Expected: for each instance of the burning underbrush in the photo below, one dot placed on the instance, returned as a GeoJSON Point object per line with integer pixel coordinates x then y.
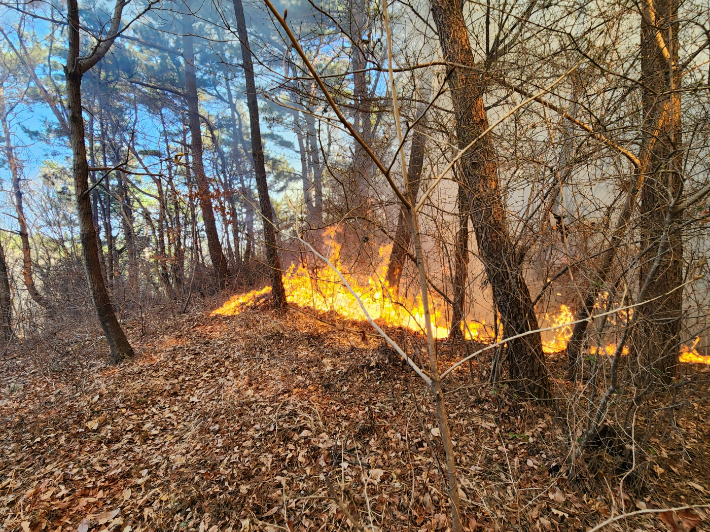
{"type": "Point", "coordinates": [322, 290]}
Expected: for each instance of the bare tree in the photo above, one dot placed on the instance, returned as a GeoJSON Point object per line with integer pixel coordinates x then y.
{"type": "Point", "coordinates": [272, 256]}
{"type": "Point", "coordinates": [501, 259]}
{"type": "Point", "coordinates": [75, 68]}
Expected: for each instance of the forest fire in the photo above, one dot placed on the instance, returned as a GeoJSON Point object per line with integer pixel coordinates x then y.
{"type": "Point", "coordinates": [690, 354]}
{"type": "Point", "coordinates": [323, 291]}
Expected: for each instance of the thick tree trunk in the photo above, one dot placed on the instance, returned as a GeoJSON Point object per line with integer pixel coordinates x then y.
{"type": "Point", "coordinates": [501, 261]}
{"type": "Point", "coordinates": [5, 300]}
{"type": "Point", "coordinates": [272, 257]}
{"type": "Point", "coordinates": [15, 174]}
{"type": "Point", "coordinates": [219, 262]}
{"type": "Point", "coordinates": [657, 338]}
{"type": "Point", "coordinates": [403, 233]}
{"type": "Point", "coordinates": [74, 70]}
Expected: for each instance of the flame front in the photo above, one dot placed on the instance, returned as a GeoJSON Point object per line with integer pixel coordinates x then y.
{"type": "Point", "coordinates": [322, 290]}
{"type": "Point", "coordinates": [691, 355]}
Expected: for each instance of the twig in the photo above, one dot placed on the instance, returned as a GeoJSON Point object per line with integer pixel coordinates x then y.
{"type": "Point", "coordinates": [647, 511]}
{"type": "Point", "coordinates": [389, 340]}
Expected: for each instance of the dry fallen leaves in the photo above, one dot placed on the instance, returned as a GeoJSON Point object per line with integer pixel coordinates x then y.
{"type": "Point", "coordinates": [253, 414]}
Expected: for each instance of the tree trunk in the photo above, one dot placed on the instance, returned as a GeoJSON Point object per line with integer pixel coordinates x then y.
{"type": "Point", "coordinates": [315, 165]}
{"type": "Point", "coordinates": [15, 172]}
{"type": "Point", "coordinates": [129, 235]}
{"type": "Point", "coordinates": [403, 233]}
{"type": "Point", "coordinates": [305, 178]}
{"type": "Point", "coordinates": [657, 338]}
{"type": "Point", "coordinates": [461, 258]}
{"type": "Point", "coordinates": [362, 117]}
{"type": "Point", "coordinates": [502, 262]}
{"type": "Point", "coordinates": [175, 230]}
{"type": "Point", "coordinates": [219, 262]}
{"type": "Point", "coordinates": [112, 254]}
{"type": "Point", "coordinates": [272, 257]}
{"type": "Point", "coordinates": [237, 140]}
{"type": "Point", "coordinates": [5, 300]}
{"type": "Point", "coordinates": [74, 71]}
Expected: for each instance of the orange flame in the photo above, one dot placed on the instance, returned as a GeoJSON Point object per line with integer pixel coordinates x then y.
{"type": "Point", "coordinates": [562, 321]}
{"type": "Point", "coordinates": [691, 355]}
{"type": "Point", "coordinates": [324, 291]}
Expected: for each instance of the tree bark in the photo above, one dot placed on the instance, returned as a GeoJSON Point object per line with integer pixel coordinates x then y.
{"type": "Point", "coordinates": [15, 173]}
{"type": "Point", "coordinates": [403, 233]}
{"type": "Point", "coordinates": [502, 262]}
{"type": "Point", "coordinates": [461, 258]}
{"type": "Point", "coordinates": [5, 300]}
{"type": "Point", "coordinates": [219, 262]}
{"type": "Point", "coordinates": [74, 71]}
{"type": "Point", "coordinates": [272, 257]}
{"type": "Point", "coordinates": [657, 337]}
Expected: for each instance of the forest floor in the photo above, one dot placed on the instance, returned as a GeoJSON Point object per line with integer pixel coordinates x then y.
{"type": "Point", "coordinates": [266, 421]}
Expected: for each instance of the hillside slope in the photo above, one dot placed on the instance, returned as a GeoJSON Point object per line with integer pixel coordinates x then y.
{"type": "Point", "coordinates": [281, 422]}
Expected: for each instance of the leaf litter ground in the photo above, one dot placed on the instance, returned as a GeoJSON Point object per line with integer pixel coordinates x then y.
{"type": "Point", "coordinates": [266, 421]}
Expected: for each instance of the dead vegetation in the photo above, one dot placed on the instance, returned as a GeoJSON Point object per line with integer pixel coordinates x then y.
{"type": "Point", "coordinates": [268, 421]}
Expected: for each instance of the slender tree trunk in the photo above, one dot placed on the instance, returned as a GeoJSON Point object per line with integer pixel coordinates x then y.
{"type": "Point", "coordinates": [272, 257]}
{"type": "Point", "coordinates": [175, 231]}
{"type": "Point", "coordinates": [112, 252]}
{"type": "Point", "coordinates": [162, 252]}
{"type": "Point", "coordinates": [305, 177]}
{"type": "Point", "coordinates": [316, 167]}
{"type": "Point", "coordinates": [219, 262]}
{"type": "Point", "coordinates": [5, 300]}
{"type": "Point", "coordinates": [74, 71]}
{"type": "Point", "coordinates": [657, 338]}
{"type": "Point", "coordinates": [15, 173]}
{"type": "Point", "coordinates": [129, 235]}
{"type": "Point", "coordinates": [362, 117]}
{"type": "Point", "coordinates": [501, 260]}
{"type": "Point", "coordinates": [237, 140]}
{"type": "Point", "coordinates": [403, 233]}
{"type": "Point", "coordinates": [460, 267]}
